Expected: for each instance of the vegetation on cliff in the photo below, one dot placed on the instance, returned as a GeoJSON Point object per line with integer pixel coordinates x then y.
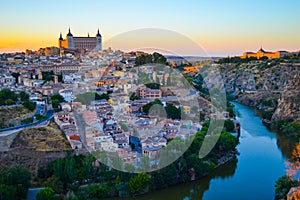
{"type": "Point", "coordinates": [14, 183]}
{"type": "Point", "coordinates": [270, 85]}
{"type": "Point", "coordinates": [84, 177]}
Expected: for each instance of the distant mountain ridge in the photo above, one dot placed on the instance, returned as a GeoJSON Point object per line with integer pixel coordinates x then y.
{"type": "Point", "coordinates": [190, 58]}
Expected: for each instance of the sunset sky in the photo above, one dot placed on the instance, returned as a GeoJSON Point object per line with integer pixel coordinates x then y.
{"type": "Point", "coordinates": [221, 27]}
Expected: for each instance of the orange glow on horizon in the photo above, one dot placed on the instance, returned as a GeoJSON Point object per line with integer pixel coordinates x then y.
{"type": "Point", "coordinates": [216, 45]}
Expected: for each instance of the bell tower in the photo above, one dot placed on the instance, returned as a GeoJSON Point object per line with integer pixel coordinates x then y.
{"type": "Point", "coordinates": [70, 40]}
{"type": "Point", "coordinates": [99, 41]}
{"type": "Point", "coordinates": [60, 41]}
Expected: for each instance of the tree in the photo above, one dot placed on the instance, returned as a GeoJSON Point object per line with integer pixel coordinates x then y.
{"type": "Point", "coordinates": [201, 168]}
{"type": "Point", "coordinates": [48, 76]}
{"type": "Point", "coordinates": [133, 97]}
{"type": "Point", "coordinates": [8, 192]}
{"type": "Point", "coordinates": [19, 178]}
{"type": "Point", "coordinates": [227, 142]}
{"type": "Point", "coordinates": [71, 196]}
{"type": "Point", "coordinates": [56, 100]}
{"type": "Point", "coordinates": [58, 97]}
{"type": "Point", "coordinates": [24, 96]}
{"type": "Point", "coordinates": [173, 112]}
{"type": "Point", "coordinates": [88, 97]}
{"type": "Point", "coordinates": [88, 170]}
{"type": "Point", "coordinates": [283, 186]}
{"type": "Point", "coordinates": [158, 180]}
{"type": "Point", "coordinates": [54, 183]}
{"type": "Point", "coordinates": [159, 58]}
{"type": "Point", "coordinates": [9, 102]}
{"type": "Point", "coordinates": [39, 117]}
{"type": "Point", "coordinates": [55, 104]}
{"type": "Point", "coordinates": [57, 167]}
{"type": "Point", "coordinates": [97, 191]}
{"type": "Point", "coordinates": [170, 174]}
{"type": "Point", "coordinates": [27, 120]}
{"type": "Point", "coordinates": [138, 183]}
{"type": "Point", "coordinates": [6, 94]}
{"type": "Point", "coordinates": [229, 125]}
{"type": "Point", "coordinates": [29, 105]}
{"type": "Point", "coordinates": [101, 96]}
{"type": "Point", "coordinates": [147, 107]}
{"type": "Point", "coordinates": [152, 85]}
{"type": "Point", "coordinates": [70, 172]}
{"type": "Point", "coordinates": [230, 109]}
{"type": "Point", "coordinates": [46, 194]}
{"type": "Point", "coordinates": [150, 58]}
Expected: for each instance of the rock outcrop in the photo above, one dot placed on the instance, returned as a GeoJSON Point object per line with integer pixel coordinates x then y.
{"type": "Point", "coordinates": [289, 101]}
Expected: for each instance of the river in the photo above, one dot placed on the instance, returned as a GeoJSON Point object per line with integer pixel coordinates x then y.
{"type": "Point", "coordinates": [251, 176]}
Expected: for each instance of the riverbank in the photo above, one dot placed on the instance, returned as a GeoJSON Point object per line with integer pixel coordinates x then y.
{"type": "Point", "coordinates": [260, 161]}
{"type": "Point", "coordinates": [272, 86]}
{"type": "Point", "coordinates": [226, 163]}
{"type": "Point", "coordinates": [226, 158]}
{"type": "Point", "coordinates": [109, 182]}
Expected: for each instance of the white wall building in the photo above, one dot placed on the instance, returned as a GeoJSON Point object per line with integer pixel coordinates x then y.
{"type": "Point", "coordinates": [67, 94]}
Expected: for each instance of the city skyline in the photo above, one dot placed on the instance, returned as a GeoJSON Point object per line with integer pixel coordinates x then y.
{"type": "Point", "coordinates": [221, 29]}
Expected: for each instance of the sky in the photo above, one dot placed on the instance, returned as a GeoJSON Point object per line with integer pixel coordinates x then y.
{"type": "Point", "coordinates": [220, 28]}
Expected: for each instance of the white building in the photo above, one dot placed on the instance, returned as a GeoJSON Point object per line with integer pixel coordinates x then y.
{"type": "Point", "coordinates": [67, 94]}
{"type": "Point", "coordinates": [71, 78]}
{"type": "Point", "coordinates": [106, 143]}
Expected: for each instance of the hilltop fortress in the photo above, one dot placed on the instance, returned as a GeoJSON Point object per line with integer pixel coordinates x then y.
{"type": "Point", "coordinates": [262, 53]}
{"type": "Point", "coordinates": [78, 43]}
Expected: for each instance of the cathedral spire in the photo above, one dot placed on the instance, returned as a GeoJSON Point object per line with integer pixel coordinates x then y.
{"type": "Point", "coordinates": [70, 34]}
{"type": "Point", "coordinates": [98, 33]}
{"type": "Point", "coordinates": [60, 36]}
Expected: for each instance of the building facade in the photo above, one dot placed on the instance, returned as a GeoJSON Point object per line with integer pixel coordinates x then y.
{"type": "Point", "coordinates": [65, 68]}
{"type": "Point", "coordinates": [144, 92]}
{"type": "Point", "coordinates": [262, 53]}
{"type": "Point", "coordinates": [80, 43]}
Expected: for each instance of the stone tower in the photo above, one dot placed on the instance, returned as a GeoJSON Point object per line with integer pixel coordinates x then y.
{"type": "Point", "coordinates": [60, 40]}
{"type": "Point", "coordinates": [70, 40]}
{"type": "Point", "coordinates": [99, 41]}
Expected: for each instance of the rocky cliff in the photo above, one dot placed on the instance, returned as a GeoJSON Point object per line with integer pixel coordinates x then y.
{"type": "Point", "coordinates": [289, 101]}
{"type": "Point", "coordinates": [272, 86]}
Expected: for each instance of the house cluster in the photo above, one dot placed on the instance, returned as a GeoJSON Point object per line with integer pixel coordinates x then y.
{"type": "Point", "coordinates": [102, 132]}
{"type": "Point", "coordinates": [67, 123]}
{"type": "Point", "coordinates": [117, 126]}
{"type": "Point", "coordinates": [53, 71]}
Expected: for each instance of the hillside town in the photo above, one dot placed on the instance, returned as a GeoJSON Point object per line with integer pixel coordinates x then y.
{"type": "Point", "coordinates": [129, 113]}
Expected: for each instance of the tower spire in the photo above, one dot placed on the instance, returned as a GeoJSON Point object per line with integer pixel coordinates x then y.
{"type": "Point", "coordinates": [98, 33]}
{"type": "Point", "coordinates": [69, 34]}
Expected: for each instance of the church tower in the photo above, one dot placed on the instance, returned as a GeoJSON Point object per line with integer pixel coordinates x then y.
{"type": "Point", "coordinates": [60, 40]}
{"type": "Point", "coordinates": [70, 40]}
{"type": "Point", "coordinates": [99, 41]}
